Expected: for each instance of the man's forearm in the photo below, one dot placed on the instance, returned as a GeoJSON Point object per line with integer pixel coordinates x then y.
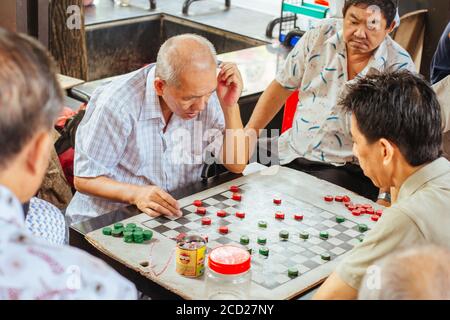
{"type": "Point", "coordinates": [269, 104]}
{"type": "Point", "coordinates": [235, 146]}
{"type": "Point", "coordinates": [106, 188]}
{"type": "Point", "coordinates": [334, 288]}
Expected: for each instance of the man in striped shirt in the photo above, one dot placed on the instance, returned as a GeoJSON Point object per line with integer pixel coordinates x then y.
{"type": "Point", "coordinates": [147, 133]}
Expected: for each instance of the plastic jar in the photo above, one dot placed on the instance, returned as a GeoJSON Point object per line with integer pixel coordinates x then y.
{"type": "Point", "coordinates": [228, 276]}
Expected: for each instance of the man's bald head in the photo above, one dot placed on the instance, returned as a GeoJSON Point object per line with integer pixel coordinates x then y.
{"type": "Point", "coordinates": [416, 274]}
{"type": "Point", "coordinates": [182, 54]}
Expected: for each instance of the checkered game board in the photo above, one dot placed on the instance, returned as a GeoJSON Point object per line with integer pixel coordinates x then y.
{"type": "Point", "coordinates": [272, 275]}
{"type": "Point", "coordinates": [257, 204]}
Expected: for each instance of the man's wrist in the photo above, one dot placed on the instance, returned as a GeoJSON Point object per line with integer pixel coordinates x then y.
{"type": "Point", "coordinates": [385, 196]}
{"type": "Point", "coordinates": [230, 108]}
{"type": "Point", "coordinates": [132, 194]}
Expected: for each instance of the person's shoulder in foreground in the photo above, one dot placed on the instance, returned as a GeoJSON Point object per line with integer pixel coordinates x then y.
{"type": "Point", "coordinates": [30, 267]}
{"type": "Point", "coordinates": [397, 132]}
{"type": "Point", "coordinates": [401, 276]}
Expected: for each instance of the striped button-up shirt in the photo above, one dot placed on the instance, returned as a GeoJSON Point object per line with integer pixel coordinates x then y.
{"type": "Point", "coordinates": [122, 137]}
{"type": "Point", "coordinates": [317, 67]}
{"type": "Point", "coordinates": [31, 268]}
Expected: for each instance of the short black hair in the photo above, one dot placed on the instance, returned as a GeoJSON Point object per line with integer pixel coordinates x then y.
{"type": "Point", "coordinates": [402, 108]}
{"type": "Point", "coordinates": [30, 96]}
{"type": "Point", "coordinates": [387, 7]}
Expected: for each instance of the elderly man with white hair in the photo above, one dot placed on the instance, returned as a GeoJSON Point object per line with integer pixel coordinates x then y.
{"type": "Point", "coordinates": [149, 132]}
{"type": "Point", "coordinates": [419, 273]}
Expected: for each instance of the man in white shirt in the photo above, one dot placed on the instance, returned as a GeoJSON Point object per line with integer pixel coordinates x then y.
{"type": "Point", "coordinates": [31, 267]}
{"type": "Point", "coordinates": [325, 59]}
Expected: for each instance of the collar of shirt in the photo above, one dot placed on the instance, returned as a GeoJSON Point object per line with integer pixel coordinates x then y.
{"type": "Point", "coordinates": [337, 42]}
{"type": "Point", "coordinates": [428, 173]}
{"type": "Point", "coordinates": [11, 210]}
{"type": "Point", "coordinates": [378, 60]}
{"type": "Point", "coordinates": [152, 107]}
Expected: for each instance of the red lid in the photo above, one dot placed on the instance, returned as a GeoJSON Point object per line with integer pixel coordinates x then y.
{"type": "Point", "coordinates": [229, 260]}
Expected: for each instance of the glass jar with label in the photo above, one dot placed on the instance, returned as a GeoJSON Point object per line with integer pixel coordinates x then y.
{"type": "Point", "coordinates": [228, 276]}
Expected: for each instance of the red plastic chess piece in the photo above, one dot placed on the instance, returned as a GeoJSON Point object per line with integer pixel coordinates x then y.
{"type": "Point", "coordinates": [206, 221]}
{"type": "Point", "coordinates": [221, 213]}
{"type": "Point", "coordinates": [236, 197]}
{"type": "Point", "coordinates": [197, 203]}
{"type": "Point", "coordinates": [201, 210]}
{"type": "Point", "coordinates": [277, 201]}
{"type": "Point", "coordinates": [223, 230]}
{"type": "Point", "coordinates": [240, 215]}
{"type": "Point", "coordinates": [279, 215]}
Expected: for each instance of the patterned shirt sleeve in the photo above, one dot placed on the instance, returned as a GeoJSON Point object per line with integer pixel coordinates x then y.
{"type": "Point", "coordinates": [101, 141]}
{"type": "Point", "coordinates": [32, 268]}
{"type": "Point", "coordinates": [46, 221]}
{"type": "Point", "coordinates": [291, 74]}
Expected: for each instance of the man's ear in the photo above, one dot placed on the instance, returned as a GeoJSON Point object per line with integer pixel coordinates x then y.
{"type": "Point", "coordinates": [38, 153]}
{"type": "Point", "coordinates": [387, 149]}
{"type": "Point", "coordinates": [159, 85]}
{"type": "Point", "coordinates": [392, 27]}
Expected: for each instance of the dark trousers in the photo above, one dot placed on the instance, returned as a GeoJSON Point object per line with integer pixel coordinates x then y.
{"type": "Point", "coordinates": [349, 176]}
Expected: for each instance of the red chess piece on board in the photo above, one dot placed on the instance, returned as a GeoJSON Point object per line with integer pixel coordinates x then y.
{"type": "Point", "coordinates": [206, 221]}
{"type": "Point", "coordinates": [201, 210]}
{"type": "Point", "coordinates": [221, 213]}
{"type": "Point", "coordinates": [197, 203]}
{"type": "Point", "coordinates": [223, 230]}
{"type": "Point", "coordinates": [279, 215]}
{"type": "Point", "coordinates": [236, 197]}
{"type": "Point", "coordinates": [277, 201]}
{"type": "Point", "coordinates": [240, 215]}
